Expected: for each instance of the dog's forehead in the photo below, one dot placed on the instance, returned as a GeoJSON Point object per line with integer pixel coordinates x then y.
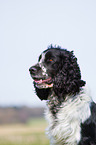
{"type": "Point", "coordinates": [45, 55]}
{"type": "Point", "coordinates": [41, 57]}
{"type": "Point", "coordinates": [49, 53]}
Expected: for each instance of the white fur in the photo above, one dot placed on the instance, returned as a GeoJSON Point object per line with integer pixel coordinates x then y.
{"type": "Point", "coordinates": [65, 128]}
{"type": "Point", "coordinates": [44, 71]}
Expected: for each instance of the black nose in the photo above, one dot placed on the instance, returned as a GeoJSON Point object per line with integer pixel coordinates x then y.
{"type": "Point", "coordinates": [33, 70]}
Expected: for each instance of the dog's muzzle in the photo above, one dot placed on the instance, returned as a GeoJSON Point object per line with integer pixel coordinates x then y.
{"type": "Point", "coordinates": [40, 81]}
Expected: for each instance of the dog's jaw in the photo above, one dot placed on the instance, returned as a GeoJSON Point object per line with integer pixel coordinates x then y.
{"type": "Point", "coordinates": [43, 85]}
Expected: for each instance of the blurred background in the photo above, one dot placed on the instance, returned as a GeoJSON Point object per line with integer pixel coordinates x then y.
{"type": "Point", "coordinates": [27, 28]}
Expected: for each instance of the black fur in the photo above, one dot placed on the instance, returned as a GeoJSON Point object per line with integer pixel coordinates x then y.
{"type": "Point", "coordinates": [88, 129]}
{"type": "Point", "coordinates": [42, 93]}
{"type": "Point", "coordinates": [68, 78]}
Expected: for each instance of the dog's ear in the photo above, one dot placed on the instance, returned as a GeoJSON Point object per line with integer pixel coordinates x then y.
{"type": "Point", "coordinates": [68, 79]}
{"type": "Point", "coordinates": [42, 93]}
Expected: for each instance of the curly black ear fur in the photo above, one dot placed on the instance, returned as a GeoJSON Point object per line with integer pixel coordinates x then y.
{"type": "Point", "coordinates": [68, 79]}
{"type": "Point", "coordinates": [42, 93]}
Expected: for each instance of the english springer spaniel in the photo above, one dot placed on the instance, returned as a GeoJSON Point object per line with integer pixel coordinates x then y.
{"type": "Point", "coordinates": [71, 112]}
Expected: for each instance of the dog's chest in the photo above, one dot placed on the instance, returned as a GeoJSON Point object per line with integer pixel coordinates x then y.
{"type": "Point", "coordinates": [64, 127]}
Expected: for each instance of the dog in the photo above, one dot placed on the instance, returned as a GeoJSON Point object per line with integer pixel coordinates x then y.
{"type": "Point", "coordinates": [71, 112]}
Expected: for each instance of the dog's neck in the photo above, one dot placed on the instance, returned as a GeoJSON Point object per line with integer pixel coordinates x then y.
{"type": "Point", "coordinates": [54, 102]}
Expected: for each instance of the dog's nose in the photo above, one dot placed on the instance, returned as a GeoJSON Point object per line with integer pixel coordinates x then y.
{"type": "Point", "coordinates": [33, 70]}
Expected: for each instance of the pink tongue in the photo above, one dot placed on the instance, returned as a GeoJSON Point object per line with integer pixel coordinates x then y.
{"type": "Point", "coordinates": [42, 81]}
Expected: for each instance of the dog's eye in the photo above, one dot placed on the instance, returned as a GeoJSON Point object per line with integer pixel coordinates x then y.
{"type": "Point", "coordinates": [50, 60]}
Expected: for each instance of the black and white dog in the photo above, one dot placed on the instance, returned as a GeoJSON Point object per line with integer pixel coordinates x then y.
{"type": "Point", "coordinates": [71, 112]}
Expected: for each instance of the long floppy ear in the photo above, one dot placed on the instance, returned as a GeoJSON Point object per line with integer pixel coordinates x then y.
{"type": "Point", "coordinates": [68, 79]}
{"type": "Point", "coordinates": [42, 93]}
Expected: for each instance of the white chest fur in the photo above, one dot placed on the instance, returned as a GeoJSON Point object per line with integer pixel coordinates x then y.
{"type": "Point", "coordinates": [65, 127]}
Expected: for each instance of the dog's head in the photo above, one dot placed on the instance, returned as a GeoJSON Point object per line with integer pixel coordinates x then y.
{"type": "Point", "coordinates": [58, 69]}
{"type": "Point", "coordinates": [46, 68]}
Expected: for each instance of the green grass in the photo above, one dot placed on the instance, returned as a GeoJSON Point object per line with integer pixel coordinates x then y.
{"type": "Point", "coordinates": [32, 133]}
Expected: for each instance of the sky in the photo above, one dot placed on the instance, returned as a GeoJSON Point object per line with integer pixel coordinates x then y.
{"type": "Point", "coordinates": [28, 27]}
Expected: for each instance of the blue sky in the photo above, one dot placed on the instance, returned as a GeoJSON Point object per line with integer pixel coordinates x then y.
{"type": "Point", "coordinates": [27, 27]}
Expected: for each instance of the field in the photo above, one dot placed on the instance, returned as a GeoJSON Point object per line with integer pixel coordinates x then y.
{"type": "Point", "coordinates": [32, 133]}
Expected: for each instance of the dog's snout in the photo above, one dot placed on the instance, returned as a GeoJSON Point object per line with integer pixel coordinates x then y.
{"type": "Point", "coordinates": [34, 69]}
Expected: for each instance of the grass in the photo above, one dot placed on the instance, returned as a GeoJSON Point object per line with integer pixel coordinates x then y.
{"type": "Point", "coordinates": [32, 133]}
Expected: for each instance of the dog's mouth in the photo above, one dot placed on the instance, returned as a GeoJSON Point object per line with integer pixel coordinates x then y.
{"type": "Point", "coordinates": [43, 83]}
{"type": "Point", "coordinates": [40, 81]}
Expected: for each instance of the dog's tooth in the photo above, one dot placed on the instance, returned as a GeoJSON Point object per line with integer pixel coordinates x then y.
{"type": "Point", "coordinates": [41, 81]}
